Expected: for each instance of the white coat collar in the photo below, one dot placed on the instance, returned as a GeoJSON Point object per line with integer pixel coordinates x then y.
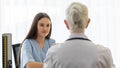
{"type": "Point", "coordinates": [82, 35]}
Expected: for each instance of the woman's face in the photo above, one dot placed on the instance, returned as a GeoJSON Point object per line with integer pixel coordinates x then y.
{"type": "Point", "coordinates": [43, 27]}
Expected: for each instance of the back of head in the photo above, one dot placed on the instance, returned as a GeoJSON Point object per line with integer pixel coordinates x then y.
{"type": "Point", "coordinates": [77, 17]}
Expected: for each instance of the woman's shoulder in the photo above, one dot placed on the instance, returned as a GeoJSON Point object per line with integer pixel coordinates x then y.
{"type": "Point", "coordinates": [26, 44]}
{"type": "Point", "coordinates": [52, 40]}
{"type": "Point", "coordinates": [27, 41]}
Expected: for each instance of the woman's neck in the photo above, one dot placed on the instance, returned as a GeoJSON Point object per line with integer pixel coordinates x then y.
{"type": "Point", "coordinates": [40, 41]}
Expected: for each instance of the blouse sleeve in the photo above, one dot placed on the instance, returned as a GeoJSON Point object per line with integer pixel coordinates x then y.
{"type": "Point", "coordinates": [26, 53]}
{"type": "Point", "coordinates": [52, 42]}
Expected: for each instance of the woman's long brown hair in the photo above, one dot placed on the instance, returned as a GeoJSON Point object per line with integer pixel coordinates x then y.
{"type": "Point", "coordinates": [33, 32]}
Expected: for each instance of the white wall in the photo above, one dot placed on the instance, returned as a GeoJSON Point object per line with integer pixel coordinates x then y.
{"type": "Point", "coordinates": [16, 17]}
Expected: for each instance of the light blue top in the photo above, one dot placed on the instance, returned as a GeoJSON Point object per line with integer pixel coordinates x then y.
{"type": "Point", "coordinates": [31, 51]}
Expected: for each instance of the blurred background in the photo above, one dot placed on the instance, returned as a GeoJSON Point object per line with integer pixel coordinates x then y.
{"type": "Point", "coordinates": [16, 17]}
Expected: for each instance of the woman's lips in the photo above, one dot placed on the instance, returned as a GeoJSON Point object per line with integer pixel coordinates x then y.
{"type": "Point", "coordinates": [43, 31]}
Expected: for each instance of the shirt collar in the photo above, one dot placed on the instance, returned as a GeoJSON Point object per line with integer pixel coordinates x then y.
{"type": "Point", "coordinates": [81, 35]}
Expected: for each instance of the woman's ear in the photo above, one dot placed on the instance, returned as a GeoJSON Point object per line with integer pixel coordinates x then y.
{"type": "Point", "coordinates": [88, 23]}
{"type": "Point", "coordinates": [66, 23]}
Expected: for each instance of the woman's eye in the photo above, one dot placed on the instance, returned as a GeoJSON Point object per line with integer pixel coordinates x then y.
{"type": "Point", "coordinates": [41, 25]}
{"type": "Point", "coordinates": [48, 25]}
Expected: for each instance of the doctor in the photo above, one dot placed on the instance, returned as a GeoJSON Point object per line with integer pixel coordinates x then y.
{"type": "Point", "coordinates": [78, 51]}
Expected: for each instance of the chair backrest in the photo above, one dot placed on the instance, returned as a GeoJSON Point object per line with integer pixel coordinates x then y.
{"type": "Point", "coordinates": [15, 51]}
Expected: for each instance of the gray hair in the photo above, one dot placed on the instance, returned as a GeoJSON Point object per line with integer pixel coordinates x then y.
{"type": "Point", "coordinates": [77, 16]}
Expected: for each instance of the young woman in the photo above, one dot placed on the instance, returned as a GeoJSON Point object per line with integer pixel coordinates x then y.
{"type": "Point", "coordinates": [37, 42]}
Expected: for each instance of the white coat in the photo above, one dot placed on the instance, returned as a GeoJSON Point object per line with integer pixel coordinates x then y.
{"type": "Point", "coordinates": [78, 53]}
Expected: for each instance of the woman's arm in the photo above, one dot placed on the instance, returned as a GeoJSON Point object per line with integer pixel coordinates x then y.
{"type": "Point", "coordinates": [34, 65]}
